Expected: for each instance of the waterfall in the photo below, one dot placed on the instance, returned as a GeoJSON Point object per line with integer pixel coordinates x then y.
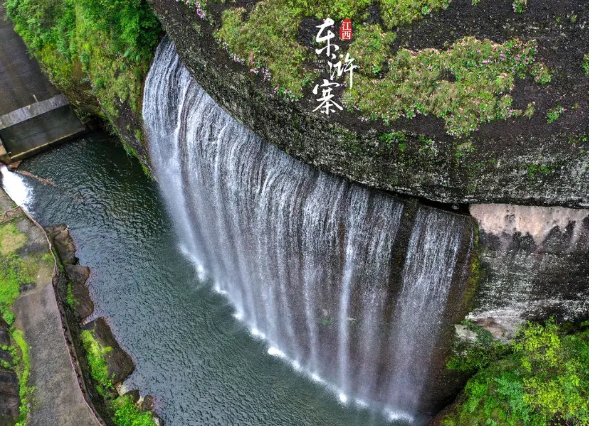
{"type": "Point", "coordinates": [305, 258]}
{"type": "Point", "coordinates": [14, 186]}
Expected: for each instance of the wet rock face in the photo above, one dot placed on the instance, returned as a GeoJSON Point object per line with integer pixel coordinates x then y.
{"type": "Point", "coordinates": [63, 243]}
{"type": "Point", "coordinates": [515, 161]}
{"type": "Point", "coordinates": [78, 276]}
{"type": "Point", "coordinates": [535, 266]}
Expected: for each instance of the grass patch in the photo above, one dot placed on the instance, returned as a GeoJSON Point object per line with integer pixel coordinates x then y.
{"type": "Point", "coordinates": [95, 354]}
{"type": "Point", "coordinates": [10, 239]}
{"type": "Point", "coordinates": [125, 412]}
{"type": "Point", "coordinates": [370, 48]}
{"type": "Point", "coordinates": [22, 361]}
{"type": "Point", "coordinates": [267, 39]}
{"type": "Point", "coordinates": [15, 270]}
{"type": "Point", "coordinates": [540, 379]}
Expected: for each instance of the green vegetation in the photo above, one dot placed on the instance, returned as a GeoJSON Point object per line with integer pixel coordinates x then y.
{"type": "Point", "coordinates": [70, 299]}
{"type": "Point", "coordinates": [540, 379]}
{"type": "Point", "coordinates": [90, 48]}
{"type": "Point", "coordinates": [267, 39]}
{"type": "Point", "coordinates": [370, 48]}
{"type": "Point", "coordinates": [98, 366]}
{"type": "Point", "coordinates": [535, 169]}
{"type": "Point", "coordinates": [125, 412]}
{"type": "Point", "coordinates": [542, 74]}
{"type": "Point", "coordinates": [586, 64]}
{"type": "Point", "coordinates": [22, 361]}
{"type": "Point", "coordinates": [519, 6]}
{"type": "Point", "coordinates": [554, 113]}
{"type": "Point", "coordinates": [466, 85]}
{"type": "Point", "coordinates": [16, 271]}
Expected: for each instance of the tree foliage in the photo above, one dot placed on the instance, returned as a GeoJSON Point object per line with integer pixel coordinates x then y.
{"type": "Point", "coordinates": [541, 379]}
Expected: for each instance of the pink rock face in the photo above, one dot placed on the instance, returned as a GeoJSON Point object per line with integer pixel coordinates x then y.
{"type": "Point", "coordinates": [505, 220]}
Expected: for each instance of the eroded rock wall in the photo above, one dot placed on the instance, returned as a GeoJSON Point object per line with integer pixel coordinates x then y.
{"type": "Point", "coordinates": [534, 264]}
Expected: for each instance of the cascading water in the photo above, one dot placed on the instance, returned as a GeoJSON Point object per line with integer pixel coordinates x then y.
{"type": "Point", "coordinates": [14, 186]}
{"type": "Point", "coordinates": [306, 258]}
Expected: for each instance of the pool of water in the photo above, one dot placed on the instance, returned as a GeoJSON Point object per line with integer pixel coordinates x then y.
{"type": "Point", "coordinates": [199, 362]}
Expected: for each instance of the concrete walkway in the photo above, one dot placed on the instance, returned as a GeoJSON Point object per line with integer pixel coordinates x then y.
{"type": "Point", "coordinates": [57, 398]}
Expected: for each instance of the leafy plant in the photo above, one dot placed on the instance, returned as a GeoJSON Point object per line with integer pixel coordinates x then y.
{"type": "Point", "coordinates": [542, 74]}
{"type": "Point", "coordinates": [519, 6]}
{"type": "Point", "coordinates": [540, 379]}
{"type": "Point", "coordinates": [554, 113]}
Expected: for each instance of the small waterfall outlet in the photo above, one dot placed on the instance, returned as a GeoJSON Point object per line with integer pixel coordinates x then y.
{"type": "Point", "coordinates": [348, 284]}
{"type": "Point", "coordinates": [14, 186]}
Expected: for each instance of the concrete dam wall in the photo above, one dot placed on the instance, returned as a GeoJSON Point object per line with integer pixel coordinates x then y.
{"type": "Point", "coordinates": [33, 114]}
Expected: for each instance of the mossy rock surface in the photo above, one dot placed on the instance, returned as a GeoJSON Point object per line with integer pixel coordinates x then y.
{"type": "Point", "coordinates": [518, 156]}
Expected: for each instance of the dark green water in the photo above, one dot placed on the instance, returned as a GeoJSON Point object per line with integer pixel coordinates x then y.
{"type": "Point", "coordinates": [200, 363]}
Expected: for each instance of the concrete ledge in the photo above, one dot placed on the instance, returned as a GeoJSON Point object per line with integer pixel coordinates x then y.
{"type": "Point", "coordinates": [33, 110]}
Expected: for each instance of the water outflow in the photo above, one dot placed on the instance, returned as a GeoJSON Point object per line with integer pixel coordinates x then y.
{"type": "Point", "coordinates": [307, 259]}
{"type": "Point", "coordinates": [14, 186]}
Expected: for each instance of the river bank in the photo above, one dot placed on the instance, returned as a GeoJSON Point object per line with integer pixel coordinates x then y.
{"type": "Point", "coordinates": [57, 398]}
{"type": "Point", "coordinates": [61, 381]}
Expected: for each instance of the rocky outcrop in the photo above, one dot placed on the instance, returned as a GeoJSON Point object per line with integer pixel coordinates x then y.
{"type": "Point", "coordinates": [120, 364]}
{"type": "Point", "coordinates": [515, 161]}
{"type": "Point", "coordinates": [534, 266]}
{"type": "Point", "coordinates": [76, 305]}
{"type": "Point", "coordinates": [78, 275]}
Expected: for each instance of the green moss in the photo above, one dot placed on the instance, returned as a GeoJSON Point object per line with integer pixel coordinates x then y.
{"type": "Point", "coordinates": [70, 299]}
{"type": "Point", "coordinates": [10, 239]}
{"type": "Point", "coordinates": [535, 169]}
{"type": "Point", "coordinates": [267, 39]}
{"type": "Point", "coordinates": [371, 48]}
{"type": "Point", "coordinates": [22, 361]}
{"type": "Point", "coordinates": [398, 12]}
{"type": "Point", "coordinates": [124, 411]}
{"type": "Point", "coordinates": [542, 74]}
{"type": "Point", "coordinates": [394, 138]}
{"type": "Point", "coordinates": [127, 413]}
{"type": "Point", "coordinates": [95, 355]}
{"type": "Point", "coordinates": [519, 6]}
{"type": "Point", "coordinates": [540, 379]}
{"type": "Point", "coordinates": [466, 85]}
{"type": "Point", "coordinates": [15, 270]}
